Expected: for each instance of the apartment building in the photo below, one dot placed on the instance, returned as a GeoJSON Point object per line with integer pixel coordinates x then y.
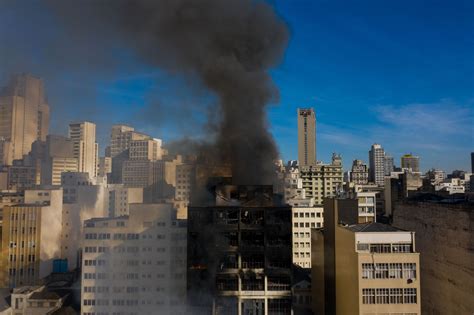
{"type": "Point", "coordinates": [134, 264]}
{"type": "Point", "coordinates": [86, 149]}
{"type": "Point", "coordinates": [239, 253]}
{"type": "Point", "coordinates": [368, 268]}
{"type": "Point", "coordinates": [303, 220]}
{"type": "Point", "coordinates": [30, 237]}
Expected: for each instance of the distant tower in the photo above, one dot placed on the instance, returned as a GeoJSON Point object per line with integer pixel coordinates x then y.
{"type": "Point", "coordinates": [86, 150]}
{"type": "Point", "coordinates": [377, 164]}
{"type": "Point", "coordinates": [409, 161]}
{"type": "Point", "coordinates": [472, 162]}
{"type": "Point", "coordinates": [24, 114]}
{"type": "Point", "coordinates": [306, 137]}
{"type": "Point", "coordinates": [389, 165]}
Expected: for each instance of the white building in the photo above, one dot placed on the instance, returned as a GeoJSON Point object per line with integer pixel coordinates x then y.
{"type": "Point", "coordinates": [86, 150]}
{"type": "Point", "coordinates": [452, 186]}
{"type": "Point", "coordinates": [134, 264]}
{"type": "Point", "coordinates": [303, 220]}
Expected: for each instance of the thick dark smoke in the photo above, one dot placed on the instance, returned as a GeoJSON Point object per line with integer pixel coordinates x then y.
{"type": "Point", "coordinates": [229, 45]}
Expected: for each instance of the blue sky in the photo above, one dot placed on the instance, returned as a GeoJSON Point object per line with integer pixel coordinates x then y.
{"type": "Point", "coordinates": [399, 73]}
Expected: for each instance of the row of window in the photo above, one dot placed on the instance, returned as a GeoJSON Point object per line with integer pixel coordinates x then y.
{"type": "Point", "coordinates": [389, 296]}
{"type": "Point", "coordinates": [306, 214]}
{"type": "Point", "coordinates": [303, 255]}
{"type": "Point", "coordinates": [302, 235]}
{"type": "Point", "coordinates": [301, 244]}
{"type": "Point", "coordinates": [94, 262]}
{"type": "Point", "coordinates": [385, 248]}
{"type": "Point", "coordinates": [389, 271]}
{"type": "Point", "coordinates": [121, 249]}
{"type": "Point", "coordinates": [307, 224]}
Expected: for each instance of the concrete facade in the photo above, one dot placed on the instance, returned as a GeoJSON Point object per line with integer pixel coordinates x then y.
{"type": "Point", "coordinates": [444, 236]}
{"type": "Point", "coordinates": [306, 136]}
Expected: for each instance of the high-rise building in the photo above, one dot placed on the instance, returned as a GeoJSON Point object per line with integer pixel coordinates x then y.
{"type": "Point", "coordinates": [410, 162]}
{"type": "Point", "coordinates": [239, 253]}
{"type": "Point", "coordinates": [57, 157]}
{"type": "Point", "coordinates": [120, 198]}
{"type": "Point", "coordinates": [24, 115]}
{"type": "Point", "coordinates": [306, 137]}
{"type": "Point", "coordinates": [33, 240]}
{"type": "Point", "coordinates": [359, 173]}
{"type": "Point", "coordinates": [135, 264]}
{"type": "Point", "coordinates": [120, 143]}
{"type": "Point", "coordinates": [304, 219]}
{"type": "Point", "coordinates": [86, 149]}
{"type": "Point", "coordinates": [322, 180]}
{"type": "Point", "coordinates": [388, 165]}
{"type": "Point", "coordinates": [368, 268]}
{"type": "Point", "coordinates": [377, 164]}
{"type": "Point", "coordinates": [105, 166]}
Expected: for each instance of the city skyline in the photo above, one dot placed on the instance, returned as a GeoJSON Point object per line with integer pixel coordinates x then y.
{"type": "Point", "coordinates": [373, 95]}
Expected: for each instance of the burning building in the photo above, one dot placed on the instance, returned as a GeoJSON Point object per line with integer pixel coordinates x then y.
{"type": "Point", "coordinates": [239, 253]}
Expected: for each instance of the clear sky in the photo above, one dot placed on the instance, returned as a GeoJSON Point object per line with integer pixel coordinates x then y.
{"type": "Point", "coordinates": [399, 73]}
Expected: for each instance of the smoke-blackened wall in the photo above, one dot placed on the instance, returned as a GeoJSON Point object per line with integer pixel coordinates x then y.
{"type": "Point", "coordinates": [228, 46]}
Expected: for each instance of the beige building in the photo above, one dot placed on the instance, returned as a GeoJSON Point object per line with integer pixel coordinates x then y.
{"type": "Point", "coordinates": [105, 166]}
{"type": "Point", "coordinates": [306, 136]}
{"type": "Point", "coordinates": [35, 300]}
{"type": "Point", "coordinates": [410, 162]}
{"type": "Point", "coordinates": [134, 264]}
{"type": "Point", "coordinates": [149, 150]}
{"type": "Point", "coordinates": [24, 116]}
{"type": "Point", "coordinates": [86, 149]}
{"type": "Point", "coordinates": [120, 198]}
{"type": "Point", "coordinates": [322, 180]}
{"type": "Point", "coordinates": [364, 269]}
{"type": "Point", "coordinates": [30, 238]}
{"type": "Point", "coordinates": [185, 176]}
{"type": "Point", "coordinates": [359, 173]}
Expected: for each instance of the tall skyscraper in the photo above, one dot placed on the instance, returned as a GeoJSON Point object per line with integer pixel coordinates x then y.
{"type": "Point", "coordinates": [86, 149]}
{"type": "Point", "coordinates": [409, 161]}
{"type": "Point", "coordinates": [306, 137]}
{"type": "Point", "coordinates": [24, 114]}
{"type": "Point", "coordinates": [377, 164]}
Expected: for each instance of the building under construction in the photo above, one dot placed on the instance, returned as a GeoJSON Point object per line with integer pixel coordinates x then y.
{"type": "Point", "coordinates": [239, 253]}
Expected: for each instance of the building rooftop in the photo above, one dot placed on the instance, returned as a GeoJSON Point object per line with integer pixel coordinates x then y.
{"type": "Point", "coordinates": [373, 227]}
{"type": "Point", "coordinates": [45, 295]}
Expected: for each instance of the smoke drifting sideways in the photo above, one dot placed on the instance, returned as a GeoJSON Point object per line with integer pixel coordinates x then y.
{"type": "Point", "coordinates": [229, 46]}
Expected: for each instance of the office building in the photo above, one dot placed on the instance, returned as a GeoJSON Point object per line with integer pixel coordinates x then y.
{"type": "Point", "coordinates": [105, 166]}
{"type": "Point", "coordinates": [377, 164]}
{"type": "Point", "coordinates": [86, 149]}
{"type": "Point", "coordinates": [135, 264]}
{"type": "Point", "coordinates": [120, 142]}
{"type": "Point", "coordinates": [24, 116]}
{"type": "Point", "coordinates": [56, 157]}
{"type": "Point", "coordinates": [33, 238]}
{"type": "Point", "coordinates": [388, 165]}
{"type": "Point", "coordinates": [149, 150]}
{"type": "Point", "coordinates": [322, 180]}
{"type": "Point", "coordinates": [239, 253]}
{"type": "Point", "coordinates": [306, 137]}
{"type": "Point", "coordinates": [185, 181]}
{"type": "Point", "coordinates": [368, 268]}
{"type": "Point", "coordinates": [359, 173]}
{"type": "Point", "coordinates": [303, 220]}
{"type": "Point", "coordinates": [83, 198]}
{"type": "Point", "coordinates": [120, 198]}
{"type": "Point", "coordinates": [443, 233]}
{"type": "Point", "coordinates": [410, 162]}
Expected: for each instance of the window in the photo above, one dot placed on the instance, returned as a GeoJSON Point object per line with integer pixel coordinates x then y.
{"type": "Point", "coordinates": [368, 296]}
{"type": "Point", "coordinates": [396, 296]}
{"type": "Point", "coordinates": [395, 271]}
{"type": "Point", "coordinates": [409, 271]}
{"type": "Point", "coordinates": [409, 296]}
{"type": "Point", "coordinates": [382, 296]}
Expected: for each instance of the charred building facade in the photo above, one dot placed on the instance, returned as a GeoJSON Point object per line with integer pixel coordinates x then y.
{"type": "Point", "coordinates": [239, 253]}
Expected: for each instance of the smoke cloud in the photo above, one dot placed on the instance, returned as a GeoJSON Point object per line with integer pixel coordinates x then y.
{"type": "Point", "coordinates": [228, 45]}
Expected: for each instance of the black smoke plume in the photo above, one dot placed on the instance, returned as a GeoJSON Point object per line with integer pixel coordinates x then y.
{"type": "Point", "coordinates": [228, 45]}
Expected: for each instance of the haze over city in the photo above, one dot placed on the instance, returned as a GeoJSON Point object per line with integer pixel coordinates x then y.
{"type": "Point", "coordinates": [398, 74]}
{"type": "Point", "coordinates": [236, 157]}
